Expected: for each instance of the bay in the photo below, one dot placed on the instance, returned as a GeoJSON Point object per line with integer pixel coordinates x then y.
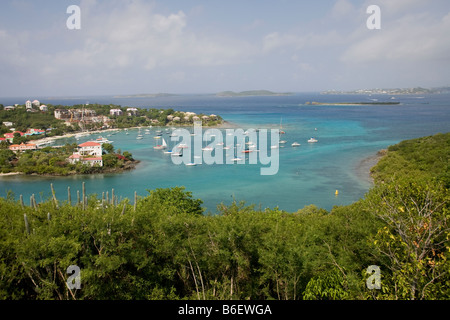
{"type": "Point", "coordinates": [309, 174]}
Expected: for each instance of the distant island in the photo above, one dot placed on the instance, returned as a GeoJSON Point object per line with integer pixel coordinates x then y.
{"type": "Point", "coordinates": [350, 103]}
{"type": "Point", "coordinates": [145, 95]}
{"type": "Point", "coordinates": [393, 91]}
{"type": "Point", "coordinates": [252, 93]}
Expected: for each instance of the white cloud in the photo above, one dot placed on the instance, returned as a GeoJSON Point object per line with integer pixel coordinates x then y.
{"type": "Point", "coordinates": [413, 38]}
{"type": "Point", "coordinates": [111, 42]}
{"type": "Point", "coordinates": [342, 9]}
{"type": "Point", "coordinates": [275, 40]}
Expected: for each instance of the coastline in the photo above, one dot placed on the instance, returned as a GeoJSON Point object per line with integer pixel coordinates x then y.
{"type": "Point", "coordinates": [10, 174]}
{"type": "Point", "coordinates": [47, 140]}
{"type": "Point", "coordinates": [364, 166]}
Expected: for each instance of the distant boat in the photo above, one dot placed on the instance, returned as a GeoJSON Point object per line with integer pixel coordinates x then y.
{"type": "Point", "coordinates": [207, 149]}
{"type": "Point", "coordinates": [191, 164]}
{"type": "Point", "coordinates": [236, 158]}
{"type": "Point", "coordinates": [281, 128]}
{"type": "Point", "coordinates": [139, 136]}
{"type": "Point", "coordinates": [177, 154]}
{"type": "Point", "coordinates": [312, 140]}
{"type": "Point", "coordinates": [102, 140]}
{"type": "Point", "coordinates": [283, 141]}
{"type": "Point", "coordinates": [296, 144]}
{"type": "Point", "coordinates": [162, 146]}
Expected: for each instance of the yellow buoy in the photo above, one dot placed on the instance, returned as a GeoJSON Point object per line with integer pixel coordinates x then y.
{"type": "Point", "coordinates": [337, 192]}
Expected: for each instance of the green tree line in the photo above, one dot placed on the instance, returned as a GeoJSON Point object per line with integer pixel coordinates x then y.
{"type": "Point", "coordinates": [164, 246]}
{"type": "Point", "coordinates": [54, 161]}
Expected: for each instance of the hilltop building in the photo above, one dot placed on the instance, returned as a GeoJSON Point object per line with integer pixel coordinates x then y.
{"type": "Point", "coordinates": [22, 147]}
{"type": "Point", "coordinates": [88, 153]}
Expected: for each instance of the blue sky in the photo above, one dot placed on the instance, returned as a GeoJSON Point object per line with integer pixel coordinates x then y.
{"type": "Point", "coordinates": [140, 46]}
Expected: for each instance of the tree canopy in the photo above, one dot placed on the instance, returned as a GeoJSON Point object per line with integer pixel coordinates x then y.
{"type": "Point", "coordinates": [164, 246]}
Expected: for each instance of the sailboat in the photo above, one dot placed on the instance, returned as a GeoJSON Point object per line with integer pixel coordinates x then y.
{"type": "Point", "coordinates": [139, 136]}
{"type": "Point", "coordinates": [162, 146]}
{"type": "Point", "coordinates": [281, 127]}
{"type": "Point", "coordinates": [236, 158]}
{"type": "Point", "coordinates": [177, 154]}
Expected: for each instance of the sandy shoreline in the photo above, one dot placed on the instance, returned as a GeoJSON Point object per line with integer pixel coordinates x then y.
{"type": "Point", "coordinates": [10, 174]}
{"type": "Point", "coordinates": [49, 140]}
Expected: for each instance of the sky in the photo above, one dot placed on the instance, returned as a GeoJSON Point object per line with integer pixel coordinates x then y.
{"type": "Point", "coordinates": [208, 46]}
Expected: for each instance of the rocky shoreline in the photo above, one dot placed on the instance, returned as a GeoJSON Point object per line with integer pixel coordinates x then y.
{"type": "Point", "coordinates": [365, 165]}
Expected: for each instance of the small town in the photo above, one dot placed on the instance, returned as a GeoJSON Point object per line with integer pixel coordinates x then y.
{"type": "Point", "coordinates": [29, 128]}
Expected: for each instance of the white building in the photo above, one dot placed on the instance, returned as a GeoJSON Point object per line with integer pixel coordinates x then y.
{"type": "Point", "coordinates": [36, 103]}
{"type": "Point", "coordinates": [28, 105]}
{"type": "Point", "coordinates": [86, 160]}
{"type": "Point", "coordinates": [132, 111]}
{"type": "Point", "coordinates": [43, 108]}
{"type": "Point", "coordinates": [115, 112]}
{"type": "Point", "coordinates": [90, 148]}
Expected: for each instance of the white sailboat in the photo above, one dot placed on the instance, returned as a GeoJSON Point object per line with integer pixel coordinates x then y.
{"type": "Point", "coordinates": [139, 136]}
{"type": "Point", "coordinates": [161, 146]}
{"type": "Point", "coordinates": [281, 127]}
{"type": "Point", "coordinates": [177, 154]}
{"type": "Point", "coordinates": [236, 158]}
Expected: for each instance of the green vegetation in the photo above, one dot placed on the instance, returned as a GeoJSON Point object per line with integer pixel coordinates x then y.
{"type": "Point", "coordinates": [163, 246]}
{"type": "Point", "coordinates": [24, 120]}
{"type": "Point", "coordinates": [53, 161]}
{"type": "Point", "coordinates": [426, 157]}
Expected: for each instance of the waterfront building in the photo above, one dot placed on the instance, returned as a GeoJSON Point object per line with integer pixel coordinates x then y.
{"type": "Point", "coordinates": [116, 112]}
{"type": "Point", "coordinates": [90, 148]}
{"type": "Point", "coordinates": [22, 147]}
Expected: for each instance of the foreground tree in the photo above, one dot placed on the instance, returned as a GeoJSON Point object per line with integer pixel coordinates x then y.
{"type": "Point", "coordinates": [414, 243]}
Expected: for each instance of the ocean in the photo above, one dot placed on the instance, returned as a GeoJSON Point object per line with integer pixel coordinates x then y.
{"type": "Point", "coordinates": [348, 135]}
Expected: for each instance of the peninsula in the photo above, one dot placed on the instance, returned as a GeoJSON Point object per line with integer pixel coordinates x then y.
{"type": "Point", "coordinates": [393, 91]}
{"type": "Point", "coordinates": [26, 130]}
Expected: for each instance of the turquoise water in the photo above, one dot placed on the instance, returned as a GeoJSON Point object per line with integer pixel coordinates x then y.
{"type": "Point", "coordinates": [309, 174]}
